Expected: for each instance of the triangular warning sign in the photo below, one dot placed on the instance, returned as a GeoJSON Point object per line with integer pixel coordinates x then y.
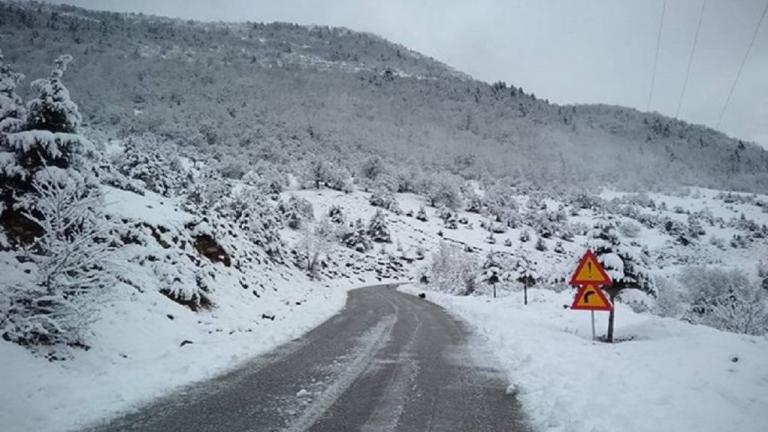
{"type": "Point", "coordinates": [590, 271]}
{"type": "Point", "coordinates": [590, 297]}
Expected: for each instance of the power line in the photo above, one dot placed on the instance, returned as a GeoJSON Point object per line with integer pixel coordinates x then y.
{"type": "Point", "coordinates": [656, 57]}
{"type": "Point", "coordinates": [741, 66]}
{"type": "Point", "coordinates": [690, 58]}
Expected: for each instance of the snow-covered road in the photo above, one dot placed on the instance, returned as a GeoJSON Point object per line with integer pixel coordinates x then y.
{"type": "Point", "coordinates": [389, 361]}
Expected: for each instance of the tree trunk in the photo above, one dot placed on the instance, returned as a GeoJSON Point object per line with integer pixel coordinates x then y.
{"type": "Point", "coordinates": [609, 336]}
{"type": "Point", "coordinates": [494, 290]}
{"type": "Point", "coordinates": [525, 293]}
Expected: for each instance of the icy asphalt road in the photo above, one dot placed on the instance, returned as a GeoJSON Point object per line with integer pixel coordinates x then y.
{"type": "Point", "coordinates": [388, 362]}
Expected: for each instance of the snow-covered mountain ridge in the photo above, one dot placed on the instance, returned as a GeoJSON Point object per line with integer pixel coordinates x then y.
{"type": "Point", "coordinates": [239, 91]}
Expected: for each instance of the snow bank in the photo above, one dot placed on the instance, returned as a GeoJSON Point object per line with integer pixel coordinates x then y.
{"type": "Point", "coordinates": [132, 364]}
{"type": "Point", "coordinates": [671, 376]}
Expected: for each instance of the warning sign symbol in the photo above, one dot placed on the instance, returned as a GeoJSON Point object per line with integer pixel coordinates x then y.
{"type": "Point", "coordinates": [590, 271]}
{"type": "Point", "coordinates": [590, 297]}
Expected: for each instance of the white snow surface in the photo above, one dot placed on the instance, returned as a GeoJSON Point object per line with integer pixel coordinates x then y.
{"type": "Point", "coordinates": [671, 376]}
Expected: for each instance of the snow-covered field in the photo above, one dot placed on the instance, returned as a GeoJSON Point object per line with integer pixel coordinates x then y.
{"type": "Point", "coordinates": [671, 376]}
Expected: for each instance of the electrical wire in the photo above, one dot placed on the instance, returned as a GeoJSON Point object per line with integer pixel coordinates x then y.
{"type": "Point", "coordinates": [656, 57]}
{"type": "Point", "coordinates": [690, 58]}
{"type": "Point", "coordinates": [741, 66]}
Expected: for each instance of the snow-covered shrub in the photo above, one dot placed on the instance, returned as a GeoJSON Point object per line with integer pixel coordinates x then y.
{"type": "Point", "coordinates": [314, 242]}
{"type": "Point", "coordinates": [372, 168]}
{"type": "Point", "coordinates": [267, 177]}
{"type": "Point", "coordinates": [670, 298]}
{"type": "Point", "coordinates": [629, 229]}
{"type": "Point", "coordinates": [540, 245]}
{"type": "Point", "coordinates": [385, 199]}
{"type": "Point", "coordinates": [336, 215]}
{"type": "Point", "coordinates": [256, 216]}
{"type": "Point", "coordinates": [356, 238]}
{"type": "Point", "coordinates": [70, 260]}
{"type": "Point", "coordinates": [296, 211]}
{"type": "Point", "coordinates": [717, 242]}
{"type": "Point", "coordinates": [739, 241]}
{"type": "Point", "coordinates": [726, 300]}
{"type": "Point", "coordinates": [443, 190]}
{"type": "Point", "coordinates": [449, 218]}
{"type": "Point", "coordinates": [378, 228]}
{"type": "Point", "coordinates": [474, 202]}
{"type": "Point", "coordinates": [178, 283]}
{"type": "Point", "coordinates": [762, 273]}
{"type": "Point", "coordinates": [207, 193]}
{"type": "Point", "coordinates": [12, 111]}
{"type": "Point", "coordinates": [422, 214]}
{"type": "Point", "coordinates": [453, 271]}
{"type": "Point", "coordinates": [149, 159]}
{"type": "Point", "coordinates": [525, 236]}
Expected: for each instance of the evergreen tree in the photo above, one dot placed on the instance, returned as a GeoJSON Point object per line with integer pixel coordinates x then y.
{"type": "Point", "coordinates": [378, 230]}
{"type": "Point", "coordinates": [625, 264]}
{"type": "Point", "coordinates": [12, 112]}
{"type": "Point", "coordinates": [357, 238]}
{"type": "Point", "coordinates": [491, 271]}
{"type": "Point", "coordinates": [422, 214]}
{"type": "Point", "coordinates": [336, 215]}
{"type": "Point", "coordinates": [51, 205]}
{"type": "Point", "coordinates": [523, 271]}
{"type": "Point", "coordinates": [53, 110]}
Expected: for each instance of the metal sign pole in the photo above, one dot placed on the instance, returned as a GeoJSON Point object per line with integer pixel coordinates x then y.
{"type": "Point", "coordinates": [593, 325]}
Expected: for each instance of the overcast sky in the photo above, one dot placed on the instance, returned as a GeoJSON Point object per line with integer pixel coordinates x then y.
{"type": "Point", "coordinates": [568, 51]}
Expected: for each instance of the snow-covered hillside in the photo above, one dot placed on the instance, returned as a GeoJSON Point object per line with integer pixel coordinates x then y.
{"type": "Point", "coordinates": [287, 94]}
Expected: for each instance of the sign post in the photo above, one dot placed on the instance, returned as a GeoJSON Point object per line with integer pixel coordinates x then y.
{"type": "Point", "coordinates": [589, 277]}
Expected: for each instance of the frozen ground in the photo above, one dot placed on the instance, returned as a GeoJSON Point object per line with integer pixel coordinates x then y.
{"type": "Point", "coordinates": [671, 376]}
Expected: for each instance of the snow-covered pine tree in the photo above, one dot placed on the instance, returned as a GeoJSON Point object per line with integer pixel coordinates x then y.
{"type": "Point", "coordinates": [51, 206]}
{"type": "Point", "coordinates": [47, 138]}
{"type": "Point", "coordinates": [296, 211]}
{"type": "Point", "coordinates": [385, 199]}
{"type": "Point", "coordinates": [53, 109]}
{"type": "Point", "coordinates": [523, 270]}
{"type": "Point", "coordinates": [378, 229]}
{"type": "Point", "coordinates": [491, 271]}
{"type": "Point", "coordinates": [627, 265]}
{"type": "Point", "coordinates": [318, 172]}
{"type": "Point", "coordinates": [336, 215]}
{"type": "Point", "coordinates": [257, 217]}
{"type": "Point", "coordinates": [12, 111]}
{"type": "Point", "coordinates": [357, 237]}
{"type": "Point", "coordinates": [422, 214]}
